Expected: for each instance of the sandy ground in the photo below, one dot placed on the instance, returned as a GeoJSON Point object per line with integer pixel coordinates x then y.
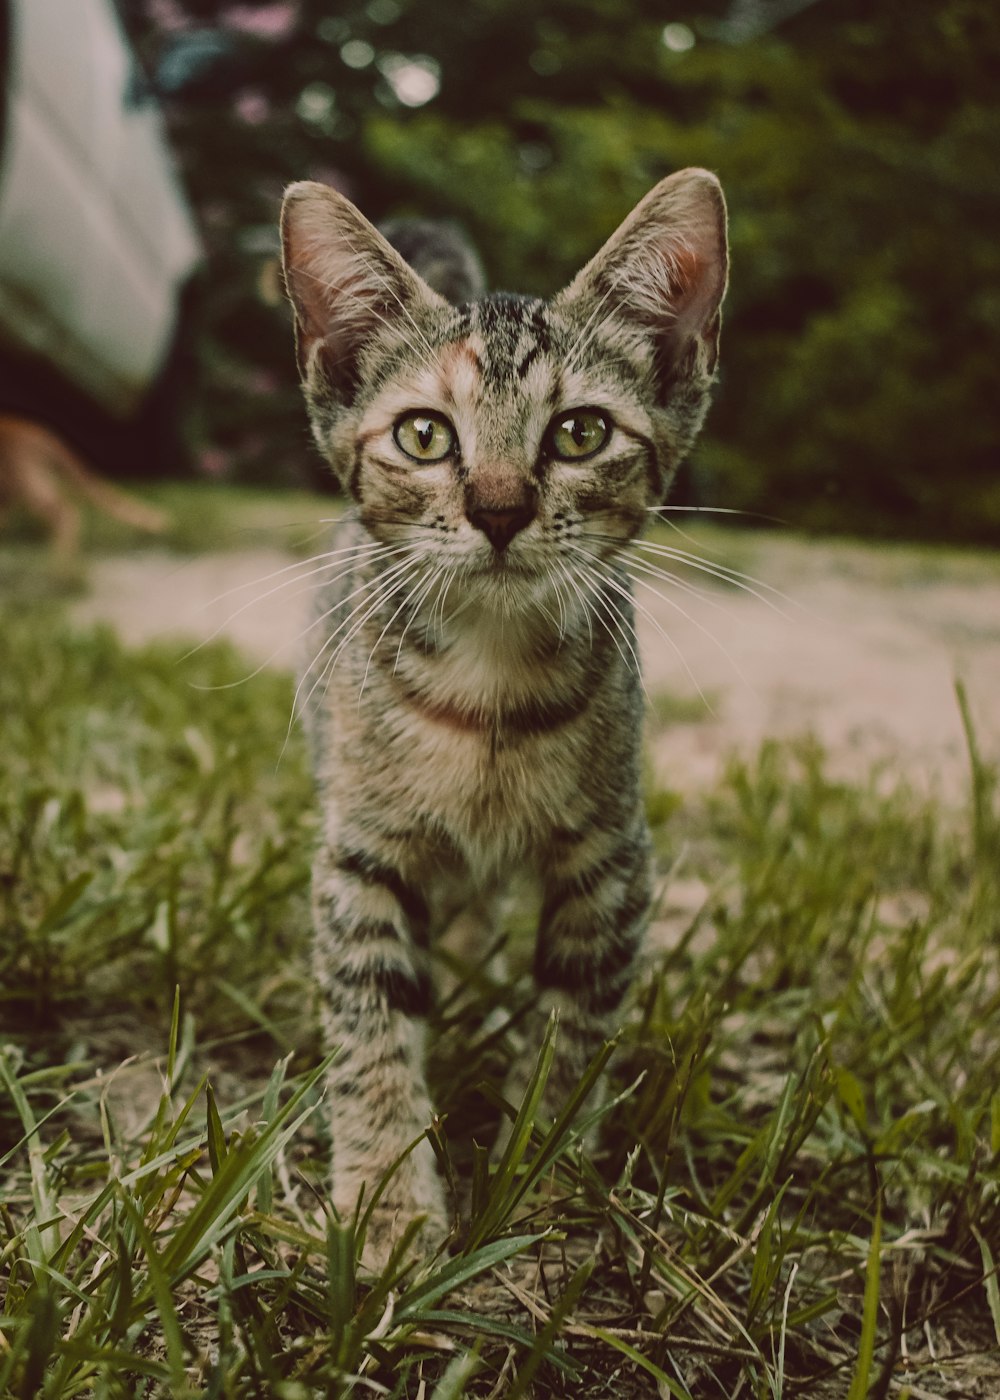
{"type": "Point", "coordinates": [861, 648]}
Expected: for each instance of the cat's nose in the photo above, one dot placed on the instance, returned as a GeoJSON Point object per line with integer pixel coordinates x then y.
{"type": "Point", "coordinates": [500, 526]}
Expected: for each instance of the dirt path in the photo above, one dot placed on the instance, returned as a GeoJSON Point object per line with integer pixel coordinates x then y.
{"type": "Point", "coordinates": [862, 649]}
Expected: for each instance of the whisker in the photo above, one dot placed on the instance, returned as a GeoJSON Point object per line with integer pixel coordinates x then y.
{"type": "Point", "coordinates": [556, 621]}
{"type": "Point", "coordinates": [403, 583]}
{"type": "Point", "coordinates": [330, 665]}
{"type": "Point", "coordinates": [723, 572]}
{"type": "Point", "coordinates": [299, 578]}
{"type": "Point", "coordinates": [442, 598]}
{"type": "Point", "coordinates": [672, 603]}
{"type": "Point", "coordinates": [619, 545]}
{"type": "Point", "coordinates": [297, 710]}
{"type": "Point", "coordinates": [683, 585]}
{"type": "Point", "coordinates": [584, 603]}
{"type": "Point", "coordinates": [288, 568]}
{"type": "Point", "coordinates": [284, 646]}
{"type": "Point", "coordinates": [378, 583]}
{"type": "Point", "coordinates": [562, 621]}
{"type": "Point", "coordinates": [685, 535]}
{"type": "Point", "coordinates": [435, 577]}
{"type": "Point", "coordinates": [619, 619]}
{"type": "Point", "coordinates": [620, 588]}
{"type": "Point", "coordinates": [722, 510]}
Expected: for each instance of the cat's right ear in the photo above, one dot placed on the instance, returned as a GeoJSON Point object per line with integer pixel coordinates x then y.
{"type": "Point", "coordinates": [664, 272]}
{"type": "Point", "coordinates": [345, 282]}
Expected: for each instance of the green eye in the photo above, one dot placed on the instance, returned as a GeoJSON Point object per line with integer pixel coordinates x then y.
{"type": "Point", "coordinates": [425, 437]}
{"type": "Point", "coordinates": [578, 434]}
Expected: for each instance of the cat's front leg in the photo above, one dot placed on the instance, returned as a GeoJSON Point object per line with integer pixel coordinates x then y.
{"type": "Point", "coordinates": [597, 893]}
{"type": "Point", "coordinates": [370, 963]}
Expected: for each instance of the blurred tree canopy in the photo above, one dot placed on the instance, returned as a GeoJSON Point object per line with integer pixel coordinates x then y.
{"type": "Point", "coordinates": [858, 142]}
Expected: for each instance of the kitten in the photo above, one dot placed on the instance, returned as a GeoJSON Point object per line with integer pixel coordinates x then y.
{"type": "Point", "coordinates": [41, 473]}
{"type": "Point", "coordinates": [476, 700]}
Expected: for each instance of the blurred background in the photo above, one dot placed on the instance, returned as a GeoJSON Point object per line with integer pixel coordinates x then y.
{"type": "Point", "coordinates": [858, 142]}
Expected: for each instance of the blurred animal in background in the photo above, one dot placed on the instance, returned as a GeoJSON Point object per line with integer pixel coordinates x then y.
{"type": "Point", "coordinates": [42, 475]}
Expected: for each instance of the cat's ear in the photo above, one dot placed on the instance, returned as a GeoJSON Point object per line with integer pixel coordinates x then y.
{"type": "Point", "coordinates": [345, 282]}
{"type": "Point", "coordinates": [664, 271]}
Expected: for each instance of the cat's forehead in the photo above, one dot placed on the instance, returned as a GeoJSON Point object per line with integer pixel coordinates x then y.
{"type": "Point", "coordinates": [501, 338]}
{"type": "Point", "coordinates": [502, 348]}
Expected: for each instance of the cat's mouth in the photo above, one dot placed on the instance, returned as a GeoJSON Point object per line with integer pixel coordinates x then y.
{"type": "Point", "coordinates": [502, 564]}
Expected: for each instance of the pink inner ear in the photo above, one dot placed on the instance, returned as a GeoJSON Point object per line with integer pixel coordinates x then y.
{"type": "Point", "coordinates": [695, 279]}
{"type": "Point", "coordinates": [689, 268]}
{"type": "Point", "coordinates": [319, 281]}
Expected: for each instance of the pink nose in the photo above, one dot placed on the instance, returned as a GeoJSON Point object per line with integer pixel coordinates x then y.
{"type": "Point", "coordinates": [500, 526]}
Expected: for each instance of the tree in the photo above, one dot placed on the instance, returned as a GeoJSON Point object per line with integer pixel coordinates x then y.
{"type": "Point", "coordinates": [859, 144]}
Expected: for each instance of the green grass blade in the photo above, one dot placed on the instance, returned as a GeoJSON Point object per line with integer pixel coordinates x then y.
{"type": "Point", "coordinates": [41, 1243]}
{"type": "Point", "coordinates": [989, 1280]}
{"type": "Point", "coordinates": [235, 1178]}
{"type": "Point", "coordinates": [498, 1204]}
{"type": "Point", "coordinates": [426, 1292]}
{"type": "Point", "coordinates": [637, 1359]}
{"type": "Point", "coordinates": [162, 1296]}
{"type": "Point", "coordinates": [861, 1379]}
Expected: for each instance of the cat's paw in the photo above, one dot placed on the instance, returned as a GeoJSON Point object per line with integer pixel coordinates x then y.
{"type": "Point", "coordinates": [390, 1221]}
{"type": "Point", "coordinates": [407, 1191]}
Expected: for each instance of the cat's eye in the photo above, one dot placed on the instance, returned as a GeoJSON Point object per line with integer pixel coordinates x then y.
{"type": "Point", "coordinates": [426, 437]}
{"type": "Point", "coordinates": [578, 434]}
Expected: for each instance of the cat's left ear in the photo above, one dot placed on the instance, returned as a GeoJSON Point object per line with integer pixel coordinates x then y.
{"type": "Point", "coordinates": [664, 272]}
{"type": "Point", "coordinates": [346, 283]}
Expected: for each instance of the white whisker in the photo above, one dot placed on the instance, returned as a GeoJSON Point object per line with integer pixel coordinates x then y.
{"type": "Point", "coordinates": [439, 603]}
{"type": "Point", "coordinates": [672, 603]}
{"type": "Point", "coordinates": [555, 621]}
{"type": "Point", "coordinates": [720, 510]}
{"type": "Point", "coordinates": [299, 578]}
{"type": "Point", "coordinates": [562, 621]}
{"type": "Point", "coordinates": [620, 588]}
{"type": "Point", "coordinates": [404, 582]}
{"type": "Point", "coordinates": [326, 675]}
{"type": "Point", "coordinates": [372, 545]}
{"type": "Point", "coordinates": [686, 536]}
{"type": "Point", "coordinates": [584, 603]}
{"type": "Point", "coordinates": [284, 646]}
{"type": "Point", "coordinates": [609, 606]}
{"type": "Point", "coordinates": [377, 583]}
{"type": "Point", "coordinates": [722, 572]}
{"type": "Point", "coordinates": [435, 577]}
{"type": "Point", "coordinates": [298, 711]}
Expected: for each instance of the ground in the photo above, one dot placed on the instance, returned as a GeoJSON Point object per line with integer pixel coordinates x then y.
{"type": "Point", "coordinates": [798, 1187]}
{"type": "Point", "coordinates": [857, 644]}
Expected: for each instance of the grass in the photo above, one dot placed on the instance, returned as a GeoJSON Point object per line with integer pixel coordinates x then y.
{"type": "Point", "coordinates": [798, 1188]}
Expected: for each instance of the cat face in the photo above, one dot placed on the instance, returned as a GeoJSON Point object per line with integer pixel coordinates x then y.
{"type": "Point", "coordinates": [509, 434]}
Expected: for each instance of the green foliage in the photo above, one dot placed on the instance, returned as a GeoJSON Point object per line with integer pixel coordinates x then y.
{"type": "Point", "coordinates": [859, 145]}
{"type": "Point", "coordinates": [145, 828]}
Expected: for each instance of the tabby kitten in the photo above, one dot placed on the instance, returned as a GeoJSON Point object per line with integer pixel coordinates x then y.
{"type": "Point", "coordinates": [476, 700]}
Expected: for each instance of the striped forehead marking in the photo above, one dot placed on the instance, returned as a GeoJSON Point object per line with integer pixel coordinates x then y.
{"type": "Point", "coordinates": [514, 332]}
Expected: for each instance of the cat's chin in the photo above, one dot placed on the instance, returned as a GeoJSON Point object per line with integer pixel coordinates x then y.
{"type": "Point", "coordinates": [512, 588]}
{"type": "Point", "coordinates": [502, 568]}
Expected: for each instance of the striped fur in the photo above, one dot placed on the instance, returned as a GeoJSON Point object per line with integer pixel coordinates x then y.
{"type": "Point", "coordinates": [472, 695]}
